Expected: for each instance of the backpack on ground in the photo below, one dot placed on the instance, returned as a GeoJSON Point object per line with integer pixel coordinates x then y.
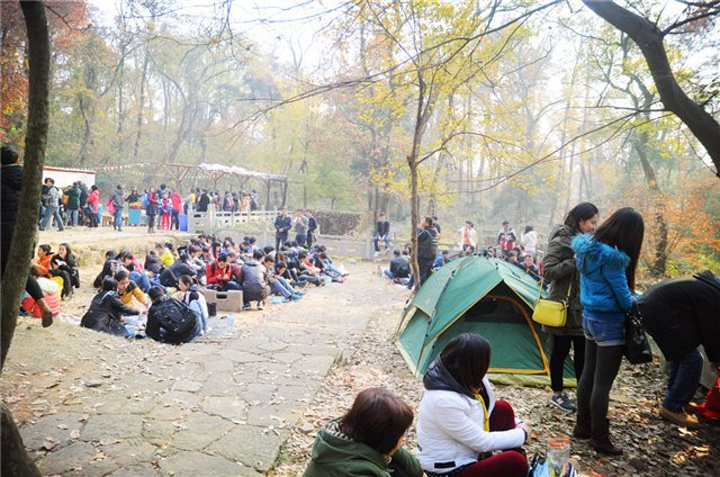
{"type": "Point", "coordinates": [177, 318]}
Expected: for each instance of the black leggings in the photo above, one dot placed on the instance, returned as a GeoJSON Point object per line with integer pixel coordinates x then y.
{"type": "Point", "coordinates": [67, 281]}
{"type": "Point", "coordinates": [602, 364]}
{"type": "Point", "coordinates": [560, 351]}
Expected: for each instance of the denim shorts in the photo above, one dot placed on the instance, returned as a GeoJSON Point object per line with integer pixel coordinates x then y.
{"type": "Point", "coordinates": [604, 333]}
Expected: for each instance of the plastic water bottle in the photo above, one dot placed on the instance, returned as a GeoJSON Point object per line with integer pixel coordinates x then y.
{"type": "Point", "coordinates": [558, 455]}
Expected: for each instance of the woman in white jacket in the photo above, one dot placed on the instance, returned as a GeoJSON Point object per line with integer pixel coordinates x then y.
{"type": "Point", "coordinates": [468, 238]}
{"type": "Point", "coordinates": [460, 425]}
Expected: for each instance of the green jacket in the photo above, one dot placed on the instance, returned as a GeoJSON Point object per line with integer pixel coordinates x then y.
{"type": "Point", "coordinates": [73, 198]}
{"type": "Point", "coordinates": [560, 270]}
{"type": "Point", "coordinates": [336, 455]}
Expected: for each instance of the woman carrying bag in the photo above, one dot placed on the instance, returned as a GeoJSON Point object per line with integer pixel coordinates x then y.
{"type": "Point", "coordinates": [607, 261]}
{"type": "Point", "coordinates": [560, 270]}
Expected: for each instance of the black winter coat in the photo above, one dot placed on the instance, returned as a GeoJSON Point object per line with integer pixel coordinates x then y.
{"type": "Point", "coordinates": [104, 314]}
{"type": "Point", "coordinates": [427, 243]}
{"type": "Point", "coordinates": [683, 313]}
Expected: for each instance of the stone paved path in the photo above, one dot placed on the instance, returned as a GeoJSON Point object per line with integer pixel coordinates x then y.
{"type": "Point", "coordinates": [207, 409]}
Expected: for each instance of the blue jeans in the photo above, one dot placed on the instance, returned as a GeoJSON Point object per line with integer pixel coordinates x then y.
{"type": "Point", "coordinates": [72, 217]}
{"type": "Point", "coordinates": [281, 286]}
{"type": "Point", "coordinates": [604, 333]}
{"type": "Point", "coordinates": [51, 212]}
{"type": "Point", "coordinates": [684, 377]}
{"type": "Point", "coordinates": [377, 242]}
{"type": "Point", "coordinates": [118, 218]}
{"type": "Point", "coordinates": [389, 274]}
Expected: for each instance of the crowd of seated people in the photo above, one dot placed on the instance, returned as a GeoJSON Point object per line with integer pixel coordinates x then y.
{"type": "Point", "coordinates": [171, 281]}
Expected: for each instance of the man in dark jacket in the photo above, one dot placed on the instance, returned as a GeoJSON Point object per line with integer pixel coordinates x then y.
{"type": "Point", "coordinates": [382, 232]}
{"type": "Point", "coordinates": [682, 314]}
{"type": "Point", "coordinates": [255, 283]}
{"type": "Point", "coordinates": [283, 222]}
{"type": "Point", "coordinates": [312, 227]}
{"type": "Point", "coordinates": [427, 248]}
{"type": "Point", "coordinates": [399, 266]}
{"type": "Point", "coordinates": [106, 311]}
{"type": "Point", "coordinates": [118, 201]}
{"type": "Point", "coordinates": [157, 330]}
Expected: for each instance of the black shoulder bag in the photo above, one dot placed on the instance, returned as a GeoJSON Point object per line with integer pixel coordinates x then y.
{"type": "Point", "coordinates": [637, 348]}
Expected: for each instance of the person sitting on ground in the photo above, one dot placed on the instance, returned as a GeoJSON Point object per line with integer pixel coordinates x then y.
{"type": "Point", "coordinates": [48, 286]}
{"type": "Point", "coordinates": [367, 440]}
{"type": "Point", "coordinates": [153, 263]}
{"type": "Point", "coordinates": [399, 266]}
{"type": "Point", "coordinates": [512, 257]}
{"type": "Point", "coordinates": [170, 320]}
{"type": "Point", "coordinates": [307, 271]}
{"type": "Point", "coordinates": [682, 314]}
{"type": "Point", "coordinates": [130, 293]}
{"type": "Point", "coordinates": [442, 258]}
{"type": "Point", "coordinates": [44, 256]}
{"type": "Point", "coordinates": [165, 254]}
{"type": "Point", "coordinates": [113, 264]}
{"type": "Point", "coordinates": [459, 421]}
{"type": "Point", "coordinates": [196, 261]}
{"type": "Point", "coordinates": [135, 270]}
{"type": "Point", "coordinates": [278, 284]}
{"type": "Point", "coordinates": [190, 294]}
{"type": "Point", "coordinates": [106, 311]}
{"type": "Point", "coordinates": [255, 284]}
{"type": "Point", "coordinates": [529, 266]}
{"type": "Point", "coordinates": [218, 275]}
{"type": "Point", "coordinates": [235, 266]}
{"type": "Point", "coordinates": [180, 267]}
{"type": "Point", "coordinates": [63, 264]}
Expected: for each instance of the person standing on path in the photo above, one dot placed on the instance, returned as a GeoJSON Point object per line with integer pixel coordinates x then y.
{"type": "Point", "coordinates": [506, 239]}
{"type": "Point", "coordinates": [561, 272]}
{"type": "Point", "coordinates": [93, 201]}
{"type": "Point", "coordinates": [468, 238]}
{"type": "Point", "coordinates": [529, 240]}
{"type": "Point", "coordinates": [300, 225]}
{"type": "Point", "coordinates": [682, 314]}
{"type": "Point", "coordinates": [312, 227]}
{"type": "Point", "coordinates": [382, 232]}
{"type": "Point", "coordinates": [151, 209]}
{"type": "Point", "coordinates": [118, 201]}
{"type": "Point", "coordinates": [73, 205]}
{"type": "Point", "coordinates": [283, 223]}
{"type": "Point", "coordinates": [176, 200]}
{"type": "Point", "coordinates": [427, 248]}
{"type": "Point", "coordinates": [607, 261]}
{"type": "Point", "coordinates": [51, 201]}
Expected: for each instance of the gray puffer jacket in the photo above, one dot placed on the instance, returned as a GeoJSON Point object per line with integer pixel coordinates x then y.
{"type": "Point", "coordinates": [118, 197]}
{"type": "Point", "coordinates": [560, 270]}
{"type": "Point", "coordinates": [254, 280]}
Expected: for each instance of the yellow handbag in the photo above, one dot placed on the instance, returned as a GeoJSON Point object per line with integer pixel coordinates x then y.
{"type": "Point", "coordinates": [551, 312]}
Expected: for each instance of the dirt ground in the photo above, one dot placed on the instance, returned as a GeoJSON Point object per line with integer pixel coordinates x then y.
{"type": "Point", "coordinates": [42, 381]}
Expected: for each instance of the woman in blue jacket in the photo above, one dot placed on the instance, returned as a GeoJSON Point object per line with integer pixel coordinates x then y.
{"type": "Point", "coordinates": [607, 261]}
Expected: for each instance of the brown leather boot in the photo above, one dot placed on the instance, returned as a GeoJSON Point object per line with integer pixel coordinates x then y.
{"type": "Point", "coordinates": [600, 440]}
{"type": "Point", "coordinates": [582, 427]}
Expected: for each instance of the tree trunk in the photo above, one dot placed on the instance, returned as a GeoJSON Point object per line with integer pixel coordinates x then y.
{"type": "Point", "coordinates": [86, 134]}
{"type": "Point", "coordinates": [141, 108]}
{"type": "Point", "coordinates": [15, 460]}
{"type": "Point", "coordinates": [658, 265]}
{"type": "Point", "coordinates": [650, 40]}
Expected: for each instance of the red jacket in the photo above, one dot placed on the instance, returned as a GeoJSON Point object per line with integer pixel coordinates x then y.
{"type": "Point", "coordinates": [176, 201]}
{"type": "Point", "coordinates": [215, 276]}
{"type": "Point", "coordinates": [94, 200]}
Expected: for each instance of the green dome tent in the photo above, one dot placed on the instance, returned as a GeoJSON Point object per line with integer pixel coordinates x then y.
{"type": "Point", "coordinates": [488, 297]}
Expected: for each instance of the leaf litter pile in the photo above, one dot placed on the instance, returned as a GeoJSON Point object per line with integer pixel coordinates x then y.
{"type": "Point", "coordinates": [653, 447]}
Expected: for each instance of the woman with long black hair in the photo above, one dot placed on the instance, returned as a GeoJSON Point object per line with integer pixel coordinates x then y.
{"type": "Point", "coordinates": [607, 261]}
{"type": "Point", "coordinates": [560, 270]}
{"type": "Point", "coordinates": [461, 424]}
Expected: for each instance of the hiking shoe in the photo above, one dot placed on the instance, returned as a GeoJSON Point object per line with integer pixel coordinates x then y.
{"type": "Point", "coordinates": [562, 401]}
{"type": "Point", "coordinates": [680, 418]}
{"type": "Point", "coordinates": [261, 305]}
{"type": "Point", "coordinates": [247, 307]}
